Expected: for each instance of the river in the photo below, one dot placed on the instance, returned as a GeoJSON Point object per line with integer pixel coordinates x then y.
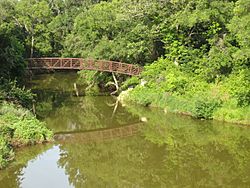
{"type": "Point", "coordinates": [100, 143]}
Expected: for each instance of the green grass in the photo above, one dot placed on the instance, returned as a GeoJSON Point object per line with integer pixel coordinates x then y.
{"type": "Point", "coordinates": [18, 127]}
{"type": "Point", "coordinates": [171, 87]}
{"type": "Point", "coordinates": [199, 106]}
{"type": "Point", "coordinates": [230, 112]}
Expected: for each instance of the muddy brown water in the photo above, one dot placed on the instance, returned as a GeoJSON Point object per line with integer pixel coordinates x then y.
{"type": "Point", "coordinates": [100, 143]}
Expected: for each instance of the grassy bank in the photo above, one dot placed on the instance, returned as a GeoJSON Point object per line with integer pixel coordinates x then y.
{"type": "Point", "coordinates": [228, 112]}
{"type": "Point", "coordinates": [167, 86]}
{"type": "Point", "coordinates": [18, 127]}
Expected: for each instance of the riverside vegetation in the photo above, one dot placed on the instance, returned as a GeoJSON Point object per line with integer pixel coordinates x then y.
{"type": "Point", "coordinates": [18, 126]}
{"type": "Point", "coordinates": [205, 70]}
{"type": "Point", "coordinates": [196, 54]}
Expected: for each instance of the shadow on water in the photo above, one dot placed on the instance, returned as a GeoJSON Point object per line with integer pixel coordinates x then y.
{"type": "Point", "coordinates": [94, 148]}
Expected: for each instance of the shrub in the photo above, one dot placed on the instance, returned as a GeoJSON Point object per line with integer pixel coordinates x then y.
{"type": "Point", "coordinates": [142, 95]}
{"type": "Point", "coordinates": [131, 82]}
{"type": "Point", "coordinates": [6, 131]}
{"type": "Point", "coordinates": [238, 86]}
{"type": "Point", "coordinates": [30, 131]}
{"type": "Point", "coordinates": [12, 111]}
{"type": "Point", "coordinates": [18, 126]}
{"type": "Point", "coordinates": [170, 87]}
{"type": "Point", "coordinates": [95, 82]}
{"type": "Point", "coordinates": [21, 126]}
{"type": "Point", "coordinates": [204, 108]}
{"type": "Point", "coordinates": [6, 153]}
{"type": "Point", "coordinates": [231, 112]}
{"type": "Point", "coordinates": [11, 92]}
{"type": "Point", "coordinates": [92, 91]}
{"type": "Point", "coordinates": [86, 77]}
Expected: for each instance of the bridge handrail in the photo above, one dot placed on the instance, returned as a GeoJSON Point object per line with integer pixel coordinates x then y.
{"type": "Point", "coordinates": [81, 64]}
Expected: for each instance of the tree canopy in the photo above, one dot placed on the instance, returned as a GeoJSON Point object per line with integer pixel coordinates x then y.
{"type": "Point", "coordinates": [187, 44]}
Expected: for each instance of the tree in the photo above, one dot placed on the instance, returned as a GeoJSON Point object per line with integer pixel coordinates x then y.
{"type": "Point", "coordinates": [11, 47]}
{"type": "Point", "coordinates": [240, 27]}
{"type": "Point", "coordinates": [33, 16]}
{"type": "Point", "coordinates": [64, 13]}
{"type": "Point", "coordinates": [117, 30]}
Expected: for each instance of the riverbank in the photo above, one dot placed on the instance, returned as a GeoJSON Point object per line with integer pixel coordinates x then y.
{"type": "Point", "coordinates": [18, 127]}
{"type": "Point", "coordinates": [171, 104]}
{"type": "Point", "coordinates": [166, 85]}
{"type": "Point", "coordinates": [94, 141]}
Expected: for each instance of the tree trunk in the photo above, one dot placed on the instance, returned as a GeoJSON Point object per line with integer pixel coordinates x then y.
{"type": "Point", "coordinates": [116, 84]}
{"type": "Point", "coordinates": [32, 46]}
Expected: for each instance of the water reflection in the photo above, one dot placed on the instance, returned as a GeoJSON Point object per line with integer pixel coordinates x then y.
{"type": "Point", "coordinates": [43, 171]}
{"type": "Point", "coordinates": [99, 135]}
{"type": "Point", "coordinates": [13, 176]}
{"type": "Point", "coordinates": [169, 151]}
{"type": "Point", "coordinates": [104, 151]}
{"type": "Point", "coordinates": [58, 105]}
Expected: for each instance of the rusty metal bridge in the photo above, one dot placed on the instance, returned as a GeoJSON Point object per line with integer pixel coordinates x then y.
{"type": "Point", "coordinates": [83, 64]}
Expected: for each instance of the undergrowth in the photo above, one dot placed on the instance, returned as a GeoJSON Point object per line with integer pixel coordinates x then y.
{"type": "Point", "coordinates": [225, 99]}
{"type": "Point", "coordinates": [18, 127]}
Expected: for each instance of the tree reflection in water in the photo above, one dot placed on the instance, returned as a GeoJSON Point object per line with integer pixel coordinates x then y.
{"type": "Point", "coordinates": [169, 150]}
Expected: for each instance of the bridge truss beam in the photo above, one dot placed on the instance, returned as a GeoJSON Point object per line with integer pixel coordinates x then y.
{"type": "Point", "coordinates": [83, 64]}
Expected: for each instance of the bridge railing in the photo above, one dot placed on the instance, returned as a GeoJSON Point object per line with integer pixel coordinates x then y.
{"type": "Point", "coordinates": [84, 64]}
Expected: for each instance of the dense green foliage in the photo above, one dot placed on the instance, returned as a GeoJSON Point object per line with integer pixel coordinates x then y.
{"type": "Point", "coordinates": [177, 91]}
{"type": "Point", "coordinates": [26, 128]}
{"type": "Point", "coordinates": [9, 91]}
{"type": "Point", "coordinates": [11, 51]}
{"type": "Point", "coordinates": [205, 71]}
{"type": "Point", "coordinates": [22, 29]}
{"type": "Point", "coordinates": [18, 127]}
{"type": "Point", "coordinates": [197, 53]}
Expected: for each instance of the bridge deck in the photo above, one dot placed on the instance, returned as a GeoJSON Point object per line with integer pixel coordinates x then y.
{"type": "Point", "coordinates": [83, 64]}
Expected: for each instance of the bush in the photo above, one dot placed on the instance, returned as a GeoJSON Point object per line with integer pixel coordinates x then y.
{"type": "Point", "coordinates": [30, 131]}
{"type": "Point", "coordinates": [169, 87]}
{"type": "Point", "coordinates": [13, 111]}
{"type": "Point", "coordinates": [92, 91]}
{"type": "Point", "coordinates": [6, 153]}
{"type": "Point", "coordinates": [131, 82]}
{"type": "Point", "coordinates": [231, 112]}
{"type": "Point", "coordinates": [26, 129]}
{"type": "Point", "coordinates": [143, 96]}
{"type": "Point", "coordinates": [6, 131]}
{"type": "Point", "coordinates": [238, 86]}
{"type": "Point", "coordinates": [204, 108]}
{"type": "Point", "coordinates": [18, 126]}
{"type": "Point", "coordinates": [9, 91]}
